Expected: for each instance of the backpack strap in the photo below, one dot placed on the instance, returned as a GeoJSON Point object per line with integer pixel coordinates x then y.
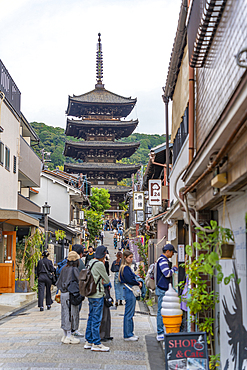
{"type": "Point", "coordinates": [90, 268]}
{"type": "Point", "coordinates": [160, 271]}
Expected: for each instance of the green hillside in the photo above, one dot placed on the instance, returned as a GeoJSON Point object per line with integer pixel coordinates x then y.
{"type": "Point", "coordinates": [52, 139]}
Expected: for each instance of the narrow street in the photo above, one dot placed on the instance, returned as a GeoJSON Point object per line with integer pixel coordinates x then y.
{"type": "Point", "coordinates": [32, 339]}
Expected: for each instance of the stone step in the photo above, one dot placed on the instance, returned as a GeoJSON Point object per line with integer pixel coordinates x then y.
{"type": "Point", "coordinates": [17, 299]}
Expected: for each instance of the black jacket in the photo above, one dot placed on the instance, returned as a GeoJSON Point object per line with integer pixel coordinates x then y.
{"type": "Point", "coordinates": [114, 267]}
{"type": "Point", "coordinates": [48, 264]}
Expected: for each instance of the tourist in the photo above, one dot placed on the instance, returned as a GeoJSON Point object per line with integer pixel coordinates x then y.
{"type": "Point", "coordinates": [127, 277]}
{"type": "Point", "coordinates": [118, 287]}
{"type": "Point", "coordinates": [44, 282]}
{"type": "Point", "coordinates": [163, 278]}
{"type": "Point", "coordinates": [102, 235]}
{"type": "Point", "coordinates": [96, 302]}
{"type": "Point", "coordinates": [115, 240]}
{"type": "Point", "coordinates": [78, 248]}
{"type": "Point", "coordinates": [69, 312]}
{"type": "Point", "coordinates": [90, 255]}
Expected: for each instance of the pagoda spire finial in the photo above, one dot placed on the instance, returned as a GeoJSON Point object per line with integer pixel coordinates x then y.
{"type": "Point", "coordinates": [99, 64]}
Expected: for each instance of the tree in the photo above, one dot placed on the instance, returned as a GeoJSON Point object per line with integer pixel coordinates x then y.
{"type": "Point", "coordinates": [100, 200]}
{"type": "Point", "coordinates": [94, 223]}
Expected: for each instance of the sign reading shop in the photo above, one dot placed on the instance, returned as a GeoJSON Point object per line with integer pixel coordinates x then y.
{"type": "Point", "coordinates": [186, 351]}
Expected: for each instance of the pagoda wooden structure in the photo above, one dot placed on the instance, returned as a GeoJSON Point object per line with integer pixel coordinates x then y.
{"type": "Point", "coordinates": [98, 118]}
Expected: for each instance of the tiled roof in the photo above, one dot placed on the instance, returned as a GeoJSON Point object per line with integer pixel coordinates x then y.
{"type": "Point", "coordinates": [102, 96]}
{"type": "Point", "coordinates": [116, 167]}
{"type": "Point", "coordinates": [114, 188]}
{"type": "Point", "coordinates": [103, 123]}
{"type": "Point", "coordinates": [101, 144]}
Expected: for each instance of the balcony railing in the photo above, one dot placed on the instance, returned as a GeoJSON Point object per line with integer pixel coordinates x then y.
{"type": "Point", "coordinates": [29, 166]}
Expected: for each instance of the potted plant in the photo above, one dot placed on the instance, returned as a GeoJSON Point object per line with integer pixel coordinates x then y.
{"type": "Point", "coordinates": [226, 242]}
{"type": "Point", "coordinates": [201, 300]}
{"type": "Point", "coordinates": [60, 235]}
{"type": "Point", "coordinates": [28, 254]}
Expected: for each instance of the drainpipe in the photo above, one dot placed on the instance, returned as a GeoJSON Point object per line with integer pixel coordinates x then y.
{"type": "Point", "coordinates": [166, 101]}
{"type": "Point", "coordinates": [191, 113]}
{"type": "Point", "coordinates": [191, 110]}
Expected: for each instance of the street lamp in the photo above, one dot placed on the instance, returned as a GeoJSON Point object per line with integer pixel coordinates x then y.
{"type": "Point", "coordinates": [46, 212]}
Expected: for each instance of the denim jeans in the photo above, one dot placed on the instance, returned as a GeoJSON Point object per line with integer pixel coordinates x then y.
{"type": "Point", "coordinates": [130, 304]}
{"type": "Point", "coordinates": [160, 326]}
{"type": "Point", "coordinates": [94, 320]}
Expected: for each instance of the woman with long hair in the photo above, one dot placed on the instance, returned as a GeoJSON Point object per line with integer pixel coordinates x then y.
{"type": "Point", "coordinates": [127, 277]}
{"type": "Point", "coordinates": [44, 282]}
{"type": "Point", "coordinates": [69, 312]}
{"type": "Point", "coordinates": [118, 287]}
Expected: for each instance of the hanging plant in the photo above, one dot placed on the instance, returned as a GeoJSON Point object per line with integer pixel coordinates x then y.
{"type": "Point", "coordinates": [60, 235]}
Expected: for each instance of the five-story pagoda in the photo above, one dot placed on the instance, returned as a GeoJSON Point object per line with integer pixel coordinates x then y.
{"type": "Point", "coordinates": [99, 123]}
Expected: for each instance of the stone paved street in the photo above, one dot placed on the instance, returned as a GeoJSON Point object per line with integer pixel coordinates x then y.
{"type": "Point", "coordinates": [32, 340]}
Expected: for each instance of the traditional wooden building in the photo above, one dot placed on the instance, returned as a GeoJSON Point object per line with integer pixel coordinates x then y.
{"type": "Point", "coordinates": [100, 120]}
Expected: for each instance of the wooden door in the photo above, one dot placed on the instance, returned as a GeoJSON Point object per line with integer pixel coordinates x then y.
{"type": "Point", "coordinates": [7, 261]}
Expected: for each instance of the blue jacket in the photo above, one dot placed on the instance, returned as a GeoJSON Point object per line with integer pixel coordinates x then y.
{"type": "Point", "coordinates": [164, 273]}
{"type": "Point", "coordinates": [128, 276]}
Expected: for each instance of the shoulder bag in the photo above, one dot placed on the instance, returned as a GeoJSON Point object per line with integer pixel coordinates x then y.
{"type": "Point", "coordinates": [50, 275]}
{"type": "Point", "coordinates": [135, 290]}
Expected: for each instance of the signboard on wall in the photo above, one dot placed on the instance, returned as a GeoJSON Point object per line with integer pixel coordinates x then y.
{"type": "Point", "coordinates": [154, 190]}
{"type": "Point", "coordinates": [186, 351]}
{"type": "Point", "coordinates": [181, 255]}
{"type": "Point", "coordinates": [138, 203]}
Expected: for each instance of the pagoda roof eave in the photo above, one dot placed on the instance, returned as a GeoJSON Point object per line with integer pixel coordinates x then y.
{"type": "Point", "coordinates": [102, 96]}
{"type": "Point", "coordinates": [114, 189]}
{"type": "Point", "coordinates": [77, 128]}
{"type": "Point", "coordinates": [103, 167]}
{"type": "Point", "coordinates": [101, 144]}
{"type": "Point", "coordinates": [100, 101]}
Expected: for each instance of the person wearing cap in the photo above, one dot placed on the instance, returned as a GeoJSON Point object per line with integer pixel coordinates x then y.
{"type": "Point", "coordinates": [78, 248]}
{"type": "Point", "coordinates": [69, 312]}
{"type": "Point", "coordinates": [96, 302]}
{"type": "Point", "coordinates": [163, 277]}
{"type": "Point", "coordinates": [44, 282]}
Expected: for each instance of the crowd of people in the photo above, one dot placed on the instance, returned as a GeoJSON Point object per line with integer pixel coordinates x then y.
{"type": "Point", "coordinates": [125, 280]}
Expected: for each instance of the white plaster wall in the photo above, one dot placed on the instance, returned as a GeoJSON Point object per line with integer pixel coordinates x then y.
{"type": "Point", "coordinates": [181, 162]}
{"type": "Point", "coordinates": [10, 138]}
{"type": "Point", "coordinates": [56, 196]}
{"type": "Point", "coordinates": [237, 209]}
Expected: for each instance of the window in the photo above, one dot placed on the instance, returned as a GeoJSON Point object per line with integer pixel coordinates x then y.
{"type": "Point", "coordinates": [14, 164]}
{"type": "Point", "coordinates": [1, 153]}
{"type": "Point", "coordinates": [180, 136]}
{"type": "Point", "coordinates": [7, 155]}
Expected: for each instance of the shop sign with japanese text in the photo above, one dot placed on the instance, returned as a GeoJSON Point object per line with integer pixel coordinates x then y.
{"type": "Point", "coordinates": [138, 203]}
{"type": "Point", "coordinates": [154, 192]}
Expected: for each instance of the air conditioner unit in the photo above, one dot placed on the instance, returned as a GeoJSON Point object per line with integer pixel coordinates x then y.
{"type": "Point", "coordinates": [74, 222]}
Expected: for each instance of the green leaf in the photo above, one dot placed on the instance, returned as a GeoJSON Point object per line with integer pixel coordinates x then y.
{"type": "Point", "coordinates": [238, 281]}
{"type": "Point", "coordinates": [189, 250]}
{"type": "Point", "coordinates": [227, 280]}
{"type": "Point", "coordinates": [213, 224]}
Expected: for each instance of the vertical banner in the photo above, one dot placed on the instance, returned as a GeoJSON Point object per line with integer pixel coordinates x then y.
{"type": "Point", "coordinates": [154, 192]}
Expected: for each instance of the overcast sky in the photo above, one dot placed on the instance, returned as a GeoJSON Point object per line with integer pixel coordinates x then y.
{"type": "Point", "coordinates": [49, 49]}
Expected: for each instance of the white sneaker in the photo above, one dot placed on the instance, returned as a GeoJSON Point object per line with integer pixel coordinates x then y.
{"type": "Point", "coordinates": [71, 340]}
{"type": "Point", "coordinates": [63, 337]}
{"type": "Point", "coordinates": [160, 337]}
{"type": "Point", "coordinates": [100, 348]}
{"type": "Point", "coordinates": [131, 339]}
{"type": "Point", "coordinates": [88, 345]}
{"type": "Point", "coordinates": [76, 333]}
